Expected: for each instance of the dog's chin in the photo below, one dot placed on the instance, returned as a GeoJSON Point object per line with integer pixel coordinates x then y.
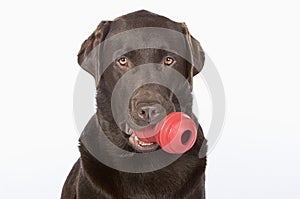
{"type": "Point", "coordinates": [138, 145]}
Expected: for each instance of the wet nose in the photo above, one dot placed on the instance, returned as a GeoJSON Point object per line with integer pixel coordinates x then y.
{"type": "Point", "coordinates": [151, 113]}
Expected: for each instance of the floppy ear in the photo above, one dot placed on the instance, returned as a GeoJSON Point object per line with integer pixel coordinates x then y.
{"type": "Point", "coordinates": [88, 55]}
{"type": "Point", "coordinates": [195, 53]}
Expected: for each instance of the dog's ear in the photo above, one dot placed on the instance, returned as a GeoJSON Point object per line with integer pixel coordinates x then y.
{"type": "Point", "coordinates": [88, 55]}
{"type": "Point", "coordinates": [195, 52]}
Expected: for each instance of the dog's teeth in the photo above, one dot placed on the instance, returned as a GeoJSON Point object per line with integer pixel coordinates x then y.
{"type": "Point", "coordinates": [145, 144]}
{"type": "Point", "coordinates": [136, 138]}
{"type": "Point", "coordinates": [141, 143]}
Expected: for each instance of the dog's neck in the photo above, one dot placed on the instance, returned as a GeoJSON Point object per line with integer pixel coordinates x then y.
{"type": "Point", "coordinates": [175, 177]}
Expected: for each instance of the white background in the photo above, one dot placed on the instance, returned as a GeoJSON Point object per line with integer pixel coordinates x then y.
{"type": "Point", "coordinates": [254, 44]}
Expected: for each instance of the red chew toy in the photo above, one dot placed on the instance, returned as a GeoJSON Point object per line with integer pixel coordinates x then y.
{"type": "Point", "coordinates": [176, 133]}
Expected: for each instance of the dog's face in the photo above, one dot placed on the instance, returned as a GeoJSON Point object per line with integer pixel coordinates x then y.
{"type": "Point", "coordinates": [149, 102]}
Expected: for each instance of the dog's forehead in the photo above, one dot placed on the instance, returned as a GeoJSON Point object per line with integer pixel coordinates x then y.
{"type": "Point", "coordinates": [143, 29]}
{"type": "Point", "coordinates": [142, 19]}
{"type": "Point", "coordinates": [144, 38]}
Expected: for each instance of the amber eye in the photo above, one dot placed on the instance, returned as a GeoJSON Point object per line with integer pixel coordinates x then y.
{"type": "Point", "coordinates": [123, 61]}
{"type": "Point", "coordinates": [168, 61]}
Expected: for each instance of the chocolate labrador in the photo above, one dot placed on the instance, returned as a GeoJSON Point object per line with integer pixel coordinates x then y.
{"type": "Point", "coordinates": [143, 65]}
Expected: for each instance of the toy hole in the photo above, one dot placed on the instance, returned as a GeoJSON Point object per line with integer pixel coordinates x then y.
{"type": "Point", "coordinates": [185, 136]}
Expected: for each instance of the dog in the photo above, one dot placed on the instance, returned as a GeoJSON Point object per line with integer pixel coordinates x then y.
{"type": "Point", "coordinates": [115, 163]}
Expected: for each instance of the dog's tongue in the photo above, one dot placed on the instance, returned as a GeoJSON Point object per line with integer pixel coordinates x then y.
{"type": "Point", "coordinates": [146, 134]}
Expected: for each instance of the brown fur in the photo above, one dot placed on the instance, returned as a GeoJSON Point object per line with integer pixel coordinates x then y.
{"type": "Point", "coordinates": [91, 179]}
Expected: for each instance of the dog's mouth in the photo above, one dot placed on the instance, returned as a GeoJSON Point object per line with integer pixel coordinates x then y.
{"type": "Point", "coordinates": [141, 144]}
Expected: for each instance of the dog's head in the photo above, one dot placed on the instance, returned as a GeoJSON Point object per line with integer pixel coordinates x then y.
{"type": "Point", "coordinates": [145, 47]}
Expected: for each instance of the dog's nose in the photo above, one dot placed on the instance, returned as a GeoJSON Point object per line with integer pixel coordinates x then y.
{"type": "Point", "coordinates": [151, 113]}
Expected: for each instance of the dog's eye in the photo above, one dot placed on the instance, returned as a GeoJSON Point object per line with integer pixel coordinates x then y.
{"type": "Point", "coordinates": [168, 61]}
{"type": "Point", "coordinates": [123, 61]}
